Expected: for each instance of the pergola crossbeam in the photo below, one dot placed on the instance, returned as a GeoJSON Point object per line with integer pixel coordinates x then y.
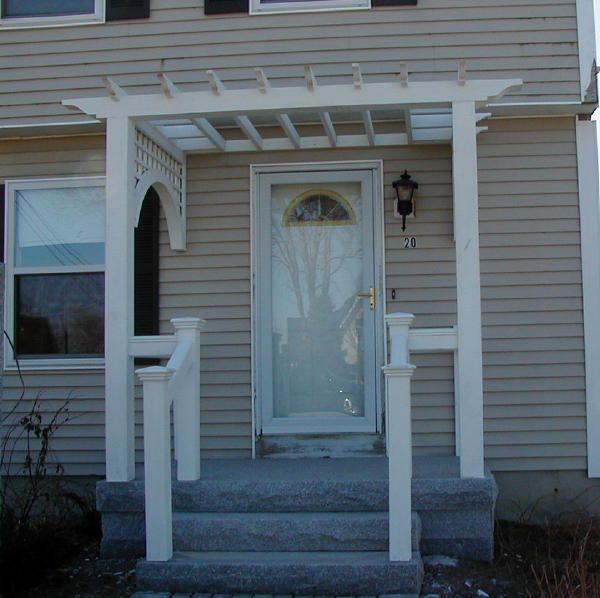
{"type": "Point", "coordinates": [204, 145]}
{"type": "Point", "coordinates": [309, 78]}
{"type": "Point", "coordinates": [115, 91]}
{"type": "Point", "coordinates": [216, 85]}
{"type": "Point", "coordinates": [403, 74]}
{"type": "Point", "coordinates": [285, 122]}
{"type": "Point", "coordinates": [262, 81]}
{"type": "Point", "coordinates": [368, 125]}
{"type": "Point", "coordinates": [168, 87]}
{"type": "Point", "coordinates": [408, 123]}
{"type": "Point", "coordinates": [329, 128]}
{"type": "Point", "coordinates": [357, 75]}
{"type": "Point", "coordinates": [206, 128]}
{"type": "Point", "coordinates": [462, 72]}
{"type": "Point", "coordinates": [250, 131]}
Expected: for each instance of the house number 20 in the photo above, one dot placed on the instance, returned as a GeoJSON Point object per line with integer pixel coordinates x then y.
{"type": "Point", "coordinates": [410, 242]}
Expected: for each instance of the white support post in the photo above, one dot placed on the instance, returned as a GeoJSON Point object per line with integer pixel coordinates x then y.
{"type": "Point", "coordinates": [186, 406]}
{"type": "Point", "coordinates": [468, 285]}
{"type": "Point", "coordinates": [118, 309]}
{"type": "Point", "coordinates": [399, 444]}
{"type": "Point", "coordinates": [589, 213]}
{"type": "Point", "coordinates": [157, 463]}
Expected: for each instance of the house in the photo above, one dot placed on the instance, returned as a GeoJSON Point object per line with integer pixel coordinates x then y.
{"type": "Point", "coordinates": [285, 243]}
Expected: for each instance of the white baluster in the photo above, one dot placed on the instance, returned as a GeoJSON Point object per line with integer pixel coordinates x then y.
{"type": "Point", "coordinates": [157, 462]}
{"type": "Point", "coordinates": [399, 440]}
{"type": "Point", "coordinates": [186, 406]}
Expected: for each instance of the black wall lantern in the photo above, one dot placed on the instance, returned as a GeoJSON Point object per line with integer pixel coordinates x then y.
{"type": "Point", "coordinates": [405, 189]}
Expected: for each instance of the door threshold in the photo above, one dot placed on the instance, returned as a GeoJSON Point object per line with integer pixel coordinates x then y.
{"type": "Point", "coordinates": [320, 446]}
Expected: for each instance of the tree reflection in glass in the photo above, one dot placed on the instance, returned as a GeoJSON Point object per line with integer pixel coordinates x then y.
{"type": "Point", "coordinates": [317, 272]}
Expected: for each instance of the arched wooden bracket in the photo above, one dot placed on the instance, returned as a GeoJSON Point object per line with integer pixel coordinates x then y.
{"type": "Point", "coordinates": [158, 168]}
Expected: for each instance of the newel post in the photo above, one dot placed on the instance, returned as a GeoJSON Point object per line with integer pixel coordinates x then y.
{"type": "Point", "coordinates": [157, 462]}
{"type": "Point", "coordinates": [186, 406]}
{"type": "Point", "coordinates": [398, 373]}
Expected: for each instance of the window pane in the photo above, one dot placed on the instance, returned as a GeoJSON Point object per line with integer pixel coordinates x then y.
{"type": "Point", "coordinates": [60, 227]}
{"type": "Point", "coordinates": [46, 8]}
{"type": "Point", "coordinates": [59, 315]}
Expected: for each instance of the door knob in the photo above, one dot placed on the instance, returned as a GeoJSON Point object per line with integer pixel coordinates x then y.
{"type": "Point", "coordinates": [371, 296]}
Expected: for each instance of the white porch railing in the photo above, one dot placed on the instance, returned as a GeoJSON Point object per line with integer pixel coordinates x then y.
{"type": "Point", "coordinates": [179, 384]}
{"type": "Point", "coordinates": [398, 373]}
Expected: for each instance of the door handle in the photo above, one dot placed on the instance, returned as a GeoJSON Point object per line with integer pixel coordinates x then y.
{"type": "Point", "coordinates": [371, 296]}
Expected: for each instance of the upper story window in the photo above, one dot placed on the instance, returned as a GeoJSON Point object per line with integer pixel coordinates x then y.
{"type": "Point", "coordinates": [32, 13]}
{"type": "Point", "coordinates": [55, 13]}
{"type": "Point", "coordinates": [275, 6]}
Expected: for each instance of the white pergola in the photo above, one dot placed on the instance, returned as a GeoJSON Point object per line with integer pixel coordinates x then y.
{"type": "Point", "coordinates": [149, 135]}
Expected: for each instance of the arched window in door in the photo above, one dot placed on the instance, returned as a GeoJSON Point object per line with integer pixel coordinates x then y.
{"type": "Point", "coordinates": [319, 207]}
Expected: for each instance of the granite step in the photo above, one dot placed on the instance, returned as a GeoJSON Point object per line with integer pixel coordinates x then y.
{"type": "Point", "coordinates": [285, 532]}
{"type": "Point", "coordinates": [296, 573]}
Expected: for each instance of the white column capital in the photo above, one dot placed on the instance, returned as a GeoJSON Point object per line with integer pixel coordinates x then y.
{"type": "Point", "coordinates": [155, 373]}
{"type": "Point", "coordinates": [399, 318]}
{"type": "Point", "coordinates": [189, 323]}
{"type": "Point", "coordinates": [399, 371]}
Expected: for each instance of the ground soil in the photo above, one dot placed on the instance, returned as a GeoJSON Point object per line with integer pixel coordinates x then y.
{"type": "Point", "coordinates": [87, 576]}
{"type": "Point", "coordinates": [557, 562]}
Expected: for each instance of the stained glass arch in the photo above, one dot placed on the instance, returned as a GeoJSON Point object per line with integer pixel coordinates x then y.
{"type": "Point", "coordinates": [319, 207]}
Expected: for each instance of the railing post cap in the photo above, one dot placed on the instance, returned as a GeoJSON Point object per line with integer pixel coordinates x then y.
{"type": "Point", "coordinates": [188, 323]}
{"type": "Point", "coordinates": [405, 370]}
{"type": "Point", "coordinates": [399, 318]}
{"type": "Point", "coordinates": [155, 372]}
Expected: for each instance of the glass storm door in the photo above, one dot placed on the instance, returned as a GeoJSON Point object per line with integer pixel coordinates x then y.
{"type": "Point", "coordinates": [316, 302]}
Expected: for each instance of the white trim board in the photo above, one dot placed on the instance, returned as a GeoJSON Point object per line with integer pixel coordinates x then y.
{"type": "Point", "coordinates": [589, 210]}
{"type": "Point", "coordinates": [586, 37]}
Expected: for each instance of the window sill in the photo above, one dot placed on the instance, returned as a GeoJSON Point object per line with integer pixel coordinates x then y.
{"type": "Point", "coordinates": [282, 8]}
{"type": "Point", "coordinates": [54, 365]}
{"type": "Point", "coordinates": [49, 22]}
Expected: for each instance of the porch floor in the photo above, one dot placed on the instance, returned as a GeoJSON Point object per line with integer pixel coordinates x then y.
{"type": "Point", "coordinates": [335, 469]}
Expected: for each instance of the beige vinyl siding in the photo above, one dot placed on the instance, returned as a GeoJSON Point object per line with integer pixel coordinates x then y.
{"type": "Point", "coordinates": [535, 40]}
{"type": "Point", "coordinates": [212, 280]}
{"type": "Point", "coordinates": [534, 380]}
{"type": "Point", "coordinates": [79, 445]}
{"type": "Point", "coordinates": [531, 278]}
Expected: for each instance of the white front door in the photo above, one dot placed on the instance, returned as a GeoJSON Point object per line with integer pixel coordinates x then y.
{"type": "Point", "coordinates": [316, 302]}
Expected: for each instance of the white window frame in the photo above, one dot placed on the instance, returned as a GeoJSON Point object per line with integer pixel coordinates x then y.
{"type": "Point", "coordinates": [285, 6]}
{"type": "Point", "coordinates": [55, 363]}
{"type": "Point", "coordinates": [98, 16]}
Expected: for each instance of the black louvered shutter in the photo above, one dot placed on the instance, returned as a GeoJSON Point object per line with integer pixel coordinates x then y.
{"type": "Point", "coordinates": [221, 7]}
{"type": "Point", "coordinates": [146, 267]}
{"type": "Point", "coordinates": [2, 203]}
{"type": "Point", "coordinates": [117, 10]}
